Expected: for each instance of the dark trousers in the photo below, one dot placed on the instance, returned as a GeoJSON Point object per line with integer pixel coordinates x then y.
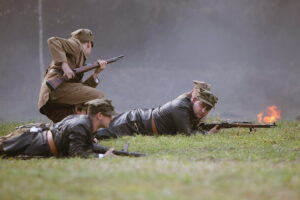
{"type": "Point", "coordinates": [28, 143]}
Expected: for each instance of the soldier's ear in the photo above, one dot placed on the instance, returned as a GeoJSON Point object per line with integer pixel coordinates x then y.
{"type": "Point", "coordinates": [194, 99]}
{"type": "Point", "coordinates": [90, 45]}
{"type": "Point", "coordinates": [99, 115]}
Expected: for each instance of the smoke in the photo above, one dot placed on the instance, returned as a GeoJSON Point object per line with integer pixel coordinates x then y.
{"type": "Point", "coordinates": [247, 50]}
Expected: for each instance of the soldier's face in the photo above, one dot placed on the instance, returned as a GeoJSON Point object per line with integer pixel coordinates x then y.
{"type": "Point", "coordinates": [106, 119]}
{"type": "Point", "coordinates": [200, 108]}
{"type": "Point", "coordinates": [87, 46]}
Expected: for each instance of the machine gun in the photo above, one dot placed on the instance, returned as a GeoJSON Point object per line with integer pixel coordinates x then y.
{"type": "Point", "coordinates": [124, 152]}
{"type": "Point", "coordinates": [57, 81]}
{"type": "Point", "coordinates": [252, 126]}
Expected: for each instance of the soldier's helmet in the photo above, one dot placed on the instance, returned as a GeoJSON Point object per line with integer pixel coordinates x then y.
{"type": "Point", "coordinates": [83, 35]}
{"type": "Point", "coordinates": [101, 105]}
{"type": "Point", "coordinates": [202, 91]}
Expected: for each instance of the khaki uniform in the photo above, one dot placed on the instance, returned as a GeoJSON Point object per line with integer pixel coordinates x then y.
{"type": "Point", "coordinates": [68, 93]}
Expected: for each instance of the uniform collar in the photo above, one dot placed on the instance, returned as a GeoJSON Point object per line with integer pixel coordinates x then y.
{"type": "Point", "coordinates": [82, 49]}
{"type": "Point", "coordinates": [84, 52]}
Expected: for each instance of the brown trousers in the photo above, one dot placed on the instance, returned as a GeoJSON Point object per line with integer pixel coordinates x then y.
{"type": "Point", "coordinates": [63, 100]}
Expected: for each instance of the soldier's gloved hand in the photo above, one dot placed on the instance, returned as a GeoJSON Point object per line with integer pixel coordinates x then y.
{"type": "Point", "coordinates": [67, 71]}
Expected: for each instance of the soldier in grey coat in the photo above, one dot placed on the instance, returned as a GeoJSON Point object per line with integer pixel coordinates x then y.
{"type": "Point", "coordinates": [181, 115]}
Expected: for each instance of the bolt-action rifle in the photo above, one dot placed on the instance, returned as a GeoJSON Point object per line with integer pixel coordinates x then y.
{"type": "Point", "coordinates": [57, 81]}
{"type": "Point", "coordinates": [252, 126]}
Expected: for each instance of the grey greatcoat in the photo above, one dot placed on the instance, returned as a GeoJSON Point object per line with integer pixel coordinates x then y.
{"type": "Point", "coordinates": [176, 116]}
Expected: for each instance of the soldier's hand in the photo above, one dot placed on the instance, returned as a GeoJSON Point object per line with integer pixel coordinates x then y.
{"type": "Point", "coordinates": [102, 66]}
{"type": "Point", "coordinates": [215, 129]}
{"type": "Point", "coordinates": [67, 71]}
{"type": "Point", "coordinates": [109, 152]}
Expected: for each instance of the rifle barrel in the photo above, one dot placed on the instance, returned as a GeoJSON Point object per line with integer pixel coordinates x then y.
{"type": "Point", "coordinates": [57, 81]}
{"type": "Point", "coordinates": [94, 65]}
{"type": "Point", "coordinates": [111, 60]}
{"type": "Point", "coordinates": [237, 125]}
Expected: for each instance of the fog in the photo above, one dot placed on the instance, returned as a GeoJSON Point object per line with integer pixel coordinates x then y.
{"type": "Point", "coordinates": [247, 50]}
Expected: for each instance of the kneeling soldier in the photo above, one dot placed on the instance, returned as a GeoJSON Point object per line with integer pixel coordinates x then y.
{"type": "Point", "coordinates": [69, 54]}
{"type": "Point", "coordinates": [73, 136]}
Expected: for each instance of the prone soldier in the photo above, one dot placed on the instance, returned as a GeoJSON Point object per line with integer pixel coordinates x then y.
{"type": "Point", "coordinates": [73, 136]}
{"type": "Point", "coordinates": [181, 115]}
{"type": "Point", "coordinates": [68, 54]}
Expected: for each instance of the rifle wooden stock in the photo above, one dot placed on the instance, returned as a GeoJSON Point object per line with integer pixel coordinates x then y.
{"type": "Point", "coordinates": [57, 81]}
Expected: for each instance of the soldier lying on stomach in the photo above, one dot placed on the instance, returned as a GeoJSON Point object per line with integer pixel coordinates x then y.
{"type": "Point", "coordinates": [73, 136]}
{"type": "Point", "coordinates": [180, 115]}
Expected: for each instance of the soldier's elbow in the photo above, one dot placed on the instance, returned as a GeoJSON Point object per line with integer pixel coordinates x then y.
{"type": "Point", "coordinates": [51, 40]}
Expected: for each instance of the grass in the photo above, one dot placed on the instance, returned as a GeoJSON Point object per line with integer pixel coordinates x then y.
{"type": "Point", "coordinates": [230, 165]}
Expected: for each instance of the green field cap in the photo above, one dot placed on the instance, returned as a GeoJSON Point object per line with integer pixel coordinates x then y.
{"type": "Point", "coordinates": [203, 92]}
{"type": "Point", "coordinates": [83, 35]}
{"type": "Point", "coordinates": [101, 105]}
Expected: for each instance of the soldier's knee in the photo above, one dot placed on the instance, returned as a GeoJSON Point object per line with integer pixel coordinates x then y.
{"type": "Point", "coordinates": [98, 95]}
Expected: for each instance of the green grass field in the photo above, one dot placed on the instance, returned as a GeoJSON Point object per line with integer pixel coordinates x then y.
{"type": "Point", "coordinates": [230, 165]}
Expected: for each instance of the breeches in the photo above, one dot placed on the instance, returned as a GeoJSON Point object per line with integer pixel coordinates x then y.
{"type": "Point", "coordinates": [74, 94]}
{"type": "Point", "coordinates": [63, 100]}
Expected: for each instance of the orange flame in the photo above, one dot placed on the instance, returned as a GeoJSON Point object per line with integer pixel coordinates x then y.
{"type": "Point", "coordinates": [273, 115]}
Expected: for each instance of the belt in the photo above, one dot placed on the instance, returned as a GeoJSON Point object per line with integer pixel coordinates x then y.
{"type": "Point", "coordinates": [153, 126]}
{"type": "Point", "coordinates": [51, 144]}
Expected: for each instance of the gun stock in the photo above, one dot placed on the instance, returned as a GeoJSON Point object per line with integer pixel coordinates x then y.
{"type": "Point", "coordinates": [57, 81]}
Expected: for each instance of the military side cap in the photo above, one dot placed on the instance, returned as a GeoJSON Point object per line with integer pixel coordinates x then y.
{"type": "Point", "coordinates": [83, 35]}
{"type": "Point", "coordinates": [101, 105]}
{"type": "Point", "coordinates": [201, 84]}
{"type": "Point", "coordinates": [203, 92]}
